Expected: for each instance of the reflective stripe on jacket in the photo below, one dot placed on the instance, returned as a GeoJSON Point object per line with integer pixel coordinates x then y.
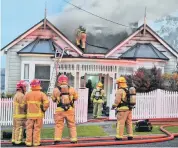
{"type": "Point", "coordinates": [18, 108]}
{"type": "Point", "coordinates": [121, 95]}
{"type": "Point", "coordinates": [36, 102]}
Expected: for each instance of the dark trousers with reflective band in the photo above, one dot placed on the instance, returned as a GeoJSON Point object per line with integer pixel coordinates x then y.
{"type": "Point", "coordinates": [33, 131]}
{"type": "Point", "coordinates": [124, 118]}
{"type": "Point", "coordinates": [17, 130]}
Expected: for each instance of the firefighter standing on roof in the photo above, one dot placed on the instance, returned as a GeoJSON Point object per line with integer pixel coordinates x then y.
{"type": "Point", "coordinates": [98, 98]}
{"type": "Point", "coordinates": [37, 103]}
{"type": "Point", "coordinates": [19, 113]}
{"type": "Point", "coordinates": [81, 37]}
{"type": "Point", "coordinates": [124, 108]}
{"type": "Point", "coordinates": [64, 96]}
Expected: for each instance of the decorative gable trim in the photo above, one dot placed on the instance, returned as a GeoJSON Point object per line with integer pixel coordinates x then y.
{"type": "Point", "coordinates": [122, 43]}
{"type": "Point", "coordinates": [22, 36]}
{"type": "Point", "coordinates": [154, 34]}
{"type": "Point", "coordinates": [163, 42]}
{"type": "Point", "coordinates": [35, 27]}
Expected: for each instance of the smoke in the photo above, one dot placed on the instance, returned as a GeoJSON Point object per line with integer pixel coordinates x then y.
{"type": "Point", "coordinates": [121, 11]}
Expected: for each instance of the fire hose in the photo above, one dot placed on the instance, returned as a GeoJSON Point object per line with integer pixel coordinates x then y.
{"type": "Point", "coordinates": [88, 142]}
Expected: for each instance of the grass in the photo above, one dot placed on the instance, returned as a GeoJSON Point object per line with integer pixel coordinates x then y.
{"type": "Point", "coordinates": [98, 131]}
{"type": "Point", "coordinates": [82, 131]}
{"type": "Point", "coordinates": [172, 129]}
{"type": "Point", "coordinates": [155, 130]}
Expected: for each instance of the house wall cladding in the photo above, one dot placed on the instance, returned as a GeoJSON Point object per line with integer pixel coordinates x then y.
{"type": "Point", "coordinates": [13, 65]}
{"type": "Point", "coordinates": [148, 38]}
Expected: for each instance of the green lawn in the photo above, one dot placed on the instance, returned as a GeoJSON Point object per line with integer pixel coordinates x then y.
{"type": "Point", "coordinates": [82, 131]}
{"type": "Point", "coordinates": [172, 129]}
{"type": "Point", "coordinates": [98, 131]}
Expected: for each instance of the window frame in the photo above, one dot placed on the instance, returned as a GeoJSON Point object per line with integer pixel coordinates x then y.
{"type": "Point", "coordinates": [43, 80]}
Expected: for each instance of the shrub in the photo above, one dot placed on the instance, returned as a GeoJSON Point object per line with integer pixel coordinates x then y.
{"type": "Point", "coordinates": [145, 80]}
{"type": "Point", "coordinates": [9, 95]}
{"type": "Point", "coordinates": [170, 81]}
{"type": "Point", "coordinates": [3, 95]}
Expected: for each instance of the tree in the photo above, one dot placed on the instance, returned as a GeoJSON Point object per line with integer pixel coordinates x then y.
{"type": "Point", "coordinates": [145, 80]}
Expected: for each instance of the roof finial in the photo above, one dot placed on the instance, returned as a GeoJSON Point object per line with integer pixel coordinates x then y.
{"type": "Point", "coordinates": [144, 27]}
{"type": "Point", "coordinates": [45, 16]}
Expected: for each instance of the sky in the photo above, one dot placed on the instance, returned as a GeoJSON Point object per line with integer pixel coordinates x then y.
{"type": "Point", "coordinates": [20, 15]}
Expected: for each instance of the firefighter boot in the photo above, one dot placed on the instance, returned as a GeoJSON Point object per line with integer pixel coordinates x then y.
{"type": "Point", "coordinates": [130, 138]}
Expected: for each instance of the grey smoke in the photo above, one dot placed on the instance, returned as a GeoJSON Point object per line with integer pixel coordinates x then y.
{"type": "Point", "coordinates": [121, 11]}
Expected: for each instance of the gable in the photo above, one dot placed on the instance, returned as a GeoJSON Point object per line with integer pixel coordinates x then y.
{"type": "Point", "coordinates": [137, 37]}
{"type": "Point", "coordinates": [38, 31]}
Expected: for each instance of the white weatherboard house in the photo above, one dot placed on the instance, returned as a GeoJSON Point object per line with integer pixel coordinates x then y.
{"type": "Point", "coordinates": [33, 55]}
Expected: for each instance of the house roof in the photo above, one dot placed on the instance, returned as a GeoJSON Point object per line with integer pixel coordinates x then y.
{"type": "Point", "coordinates": [36, 26]}
{"type": "Point", "coordinates": [162, 41]}
{"type": "Point", "coordinates": [143, 51]}
{"type": "Point", "coordinates": [94, 45]}
{"type": "Point", "coordinates": [41, 46]}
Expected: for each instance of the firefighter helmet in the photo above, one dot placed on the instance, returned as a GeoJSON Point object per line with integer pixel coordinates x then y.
{"type": "Point", "coordinates": [121, 80]}
{"type": "Point", "coordinates": [100, 85]}
{"type": "Point", "coordinates": [21, 84]}
{"type": "Point", "coordinates": [35, 84]}
{"type": "Point", "coordinates": [62, 80]}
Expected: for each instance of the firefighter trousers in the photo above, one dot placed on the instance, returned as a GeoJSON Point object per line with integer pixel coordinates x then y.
{"type": "Point", "coordinates": [17, 130]}
{"type": "Point", "coordinates": [59, 117]}
{"type": "Point", "coordinates": [97, 109]}
{"type": "Point", "coordinates": [124, 118]}
{"type": "Point", "coordinates": [33, 130]}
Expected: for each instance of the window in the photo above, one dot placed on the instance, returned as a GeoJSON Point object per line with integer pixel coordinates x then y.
{"type": "Point", "coordinates": [42, 72]}
{"type": "Point", "coordinates": [26, 71]}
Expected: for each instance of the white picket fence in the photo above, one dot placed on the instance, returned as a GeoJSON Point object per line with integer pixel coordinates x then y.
{"type": "Point", "coordinates": [81, 110]}
{"type": "Point", "coordinates": [155, 104]}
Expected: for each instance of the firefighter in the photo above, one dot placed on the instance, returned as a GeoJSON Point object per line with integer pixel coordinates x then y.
{"type": "Point", "coordinates": [123, 109]}
{"type": "Point", "coordinates": [64, 96]}
{"type": "Point", "coordinates": [98, 98]}
{"type": "Point", "coordinates": [19, 113]}
{"type": "Point", "coordinates": [37, 103]}
{"type": "Point", "coordinates": [81, 37]}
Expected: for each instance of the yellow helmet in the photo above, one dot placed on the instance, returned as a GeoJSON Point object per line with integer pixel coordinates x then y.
{"type": "Point", "coordinates": [100, 85]}
{"type": "Point", "coordinates": [121, 80]}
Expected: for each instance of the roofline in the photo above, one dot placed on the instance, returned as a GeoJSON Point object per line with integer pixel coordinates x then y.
{"type": "Point", "coordinates": [94, 59]}
{"type": "Point", "coordinates": [123, 42]}
{"type": "Point", "coordinates": [93, 54]}
{"type": "Point", "coordinates": [135, 58]}
{"type": "Point", "coordinates": [36, 54]}
{"type": "Point", "coordinates": [20, 37]}
{"type": "Point", "coordinates": [161, 40]}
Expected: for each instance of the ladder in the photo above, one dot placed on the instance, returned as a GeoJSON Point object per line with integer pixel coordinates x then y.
{"type": "Point", "coordinates": [55, 72]}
